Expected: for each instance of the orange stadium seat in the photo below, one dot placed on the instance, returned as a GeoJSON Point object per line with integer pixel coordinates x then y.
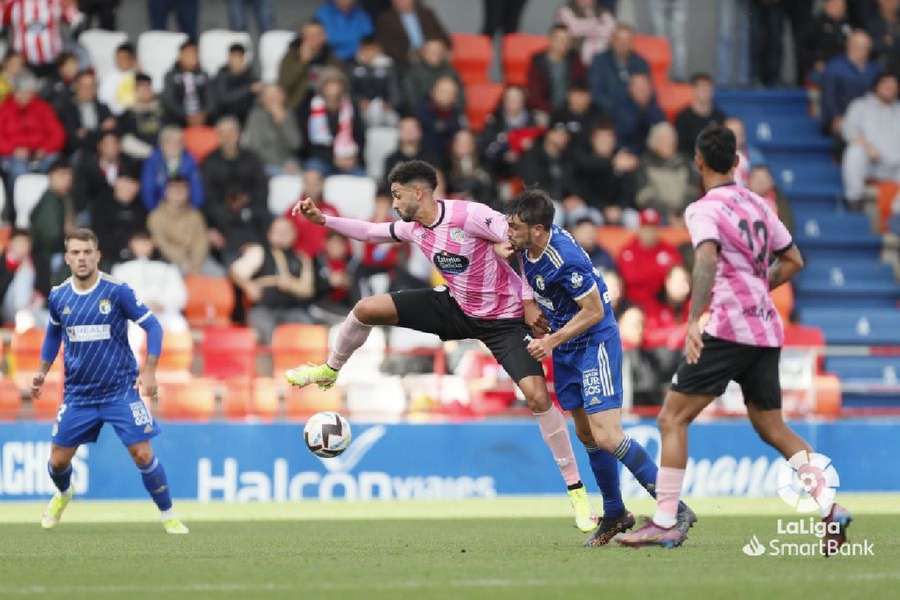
{"type": "Point", "coordinates": [518, 48]}
{"type": "Point", "coordinates": [193, 400]}
{"type": "Point", "coordinates": [24, 357]}
{"type": "Point", "coordinates": [236, 397]}
{"type": "Point", "coordinates": [658, 54]}
{"type": "Point", "coordinates": [674, 97]}
{"type": "Point", "coordinates": [210, 300]}
{"type": "Point", "coordinates": [481, 100]}
{"type": "Point", "coordinates": [10, 400]}
{"type": "Point", "coordinates": [783, 297]}
{"type": "Point", "coordinates": [5, 233]}
{"type": "Point", "coordinates": [229, 352]}
{"type": "Point", "coordinates": [887, 192]}
{"type": "Point", "coordinates": [177, 353]}
{"type": "Point", "coordinates": [264, 402]}
{"type": "Point", "coordinates": [613, 238]}
{"type": "Point", "coordinates": [302, 402]}
{"type": "Point", "coordinates": [675, 235]}
{"type": "Point", "coordinates": [298, 343]}
{"type": "Point", "coordinates": [243, 398]}
{"type": "Point", "coordinates": [803, 335]}
{"type": "Point", "coordinates": [472, 57]}
{"type": "Point", "coordinates": [47, 404]}
{"type": "Point", "coordinates": [200, 141]}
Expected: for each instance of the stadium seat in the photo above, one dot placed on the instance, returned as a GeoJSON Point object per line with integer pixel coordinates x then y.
{"type": "Point", "coordinates": [213, 48]}
{"type": "Point", "coordinates": [783, 298]}
{"type": "Point", "coordinates": [24, 357]}
{"type": "Point", "coordinates": [674, 97]}
{"type": "Point", "coordinates": [193, 400]}
{"type": "Point", "coordinates": [200, 141]}
{"type": "Point", "coordinates": [848, 282]}
{"type": "Point", "coordinates": [5, 230]}
{"type": "Point", "coordinates": [157, 51]}
{"type": "Point", "coordinates": [101, 47]}
{"type": "Point", "coordinates": [472, 55]}
{"type": "Point", "coordinates": [836, 236]}
{"type": "Point", "coordinates": [379, 398]}
{"type": "Point", "coordinates": [676, 236]}
{"type": "Point", "coordinates": [46, 406]}
{"type": "Point", "coordinates": [869, 327]}
{"type": "Point", "coordinates": [296, 344]}
{"type": "Point", "coordinates": [284, 191]}
{"type": "Point", "coordinates": [10, 400]}
{"type": "Point", "coordinates": [242, 398]}
{"type": "Point", "coordinates": [177, 354]}
{"type": "Point", "coordinates": [302, 402]}
{"type": "Point", "coordinates": [803, 335]}
{"type": "Point", "coordinates": [380, 143]}
{"type": "Point", "coordinates": [786, 133]}
{"type": "Point", "coordinates": [264, 402]}
{"type": "Point", "coordinates": [658, 54]}
{"type": "Point", "coordinates": [613, 238]}
{"type": "Point", "coordinates": [272, 47]}
{"type": "Point", "coordinates": [518, 48]}
{"type": "Point", "coordinates": [888, 194]}
{"type": "Point", "coordinates": [27, 192]}
{"type": "Point", "coordinates": [481, 100]}
{"type": "Point", "coordinates": [210, 300]}
{"type": "Point", "coordinates": [353, 197]}
{"type": "Point", "coordinates": [229, 352]}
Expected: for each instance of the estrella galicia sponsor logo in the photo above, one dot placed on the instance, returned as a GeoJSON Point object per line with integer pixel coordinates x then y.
{"type": "Point", "coordinates": [452, 264]}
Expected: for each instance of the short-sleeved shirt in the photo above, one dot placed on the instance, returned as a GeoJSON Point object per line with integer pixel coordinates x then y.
{"type": "Point", "coordinates": [748, 234]}
{"type": "Point", "coordinates": [99, 363]}
{"type": "Point", "coordinates": [560, 277]}
{"type": "Point", "coordinates": [460, 244]}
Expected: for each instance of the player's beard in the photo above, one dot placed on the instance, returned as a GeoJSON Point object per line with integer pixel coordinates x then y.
{"type": "Point", "coordinates": [85, 277]}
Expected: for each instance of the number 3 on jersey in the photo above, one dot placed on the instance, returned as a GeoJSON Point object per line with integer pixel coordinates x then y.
{"type": "Point", "coordinates": [761, 234]}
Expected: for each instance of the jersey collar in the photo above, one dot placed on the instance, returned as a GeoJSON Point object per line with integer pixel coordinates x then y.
{"type": "Point", "coordinates": [440, 218]}
{"type": "Point", "coordinates": [543, 252]}
{"type": "Point", "coordinates": [78, 292]}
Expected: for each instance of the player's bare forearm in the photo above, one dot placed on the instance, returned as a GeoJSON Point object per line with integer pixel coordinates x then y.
{"type": "Point", "coordinates": [706, 258]}
{"type": "Point", "coordinates": [591, 312]}
{"type": "Point", "coordinates": [785, 267]}
{"type": "Point", "coordinates": [44, 368]}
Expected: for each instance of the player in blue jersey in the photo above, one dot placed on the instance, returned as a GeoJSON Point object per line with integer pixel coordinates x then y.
{"type": "Point", "coordinates": [91, 310]}
{"type": "Point", "coordinates": [582, 334]}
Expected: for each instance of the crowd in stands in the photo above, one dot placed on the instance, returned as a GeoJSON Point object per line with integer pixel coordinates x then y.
{"type": "Point", "coordinates": [587, 126]}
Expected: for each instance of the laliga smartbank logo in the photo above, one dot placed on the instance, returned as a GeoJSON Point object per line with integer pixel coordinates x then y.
{"type": "Point", "coordinates": [807, 483]}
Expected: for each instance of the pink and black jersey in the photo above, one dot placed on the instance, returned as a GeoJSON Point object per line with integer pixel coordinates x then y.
{"type": "Point", "coordinates": [461, 245]}
{"type": "Point", "coordinates": [748, 233]}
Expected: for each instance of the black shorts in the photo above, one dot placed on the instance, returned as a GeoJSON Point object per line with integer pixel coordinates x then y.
{"type": "Point", "coordinates": [435, 311]}
{"type": "Point", "coordinates": [754, 368]}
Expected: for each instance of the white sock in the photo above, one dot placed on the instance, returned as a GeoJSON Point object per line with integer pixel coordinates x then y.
{"type": "Point", "coordinates": [165, 515]}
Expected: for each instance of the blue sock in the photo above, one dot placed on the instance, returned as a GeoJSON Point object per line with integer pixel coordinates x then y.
{"type": "Point", "coordinates": [61, 479]}
{"type": "Point", "coordinates": [154, 477]}
{"type": "Point", "coordinates": [639, 463]}
{"type": "Point", "coordinates": [606, 472]}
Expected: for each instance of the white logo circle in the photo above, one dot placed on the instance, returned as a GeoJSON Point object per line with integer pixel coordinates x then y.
{"type": "Point", "coordinates": [808, 482]}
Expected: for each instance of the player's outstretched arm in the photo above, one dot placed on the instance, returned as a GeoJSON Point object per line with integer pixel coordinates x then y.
{"type": "Point", "coordinates": [49, 349]}
{"type": "Point", "coordinates": [786, 265]}
{"type": "Point", "coordinates": [352, 228]}
{"type": "Point", "coordinates": [706, 258]}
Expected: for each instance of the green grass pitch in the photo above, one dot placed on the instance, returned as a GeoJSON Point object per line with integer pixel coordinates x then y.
{"type": "Point", "coordinates": [501, 548]}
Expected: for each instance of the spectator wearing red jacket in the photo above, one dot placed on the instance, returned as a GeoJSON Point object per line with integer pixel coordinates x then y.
{"type": "Point", "coordinates": [31, 135]}
{"type": "Point", "coordinates": [311, 237]}
{"type": "Point", "coordinates": [667, 317]}
{"type": "Point", "coordinates": [645, 261]}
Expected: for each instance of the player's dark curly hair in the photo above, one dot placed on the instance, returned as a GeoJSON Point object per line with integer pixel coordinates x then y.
{"type": "Point", "coordinates": [533, 207]}
{"type": "Point", "coordinates": [413, 170]}
{"type": "Point", "coordinates": [718, 147]}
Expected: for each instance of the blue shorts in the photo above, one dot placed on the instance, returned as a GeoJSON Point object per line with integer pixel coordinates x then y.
{"type": "Point", "coordinates": [78, 424]}
{"type": "Point", "coordinates": [590, 378]}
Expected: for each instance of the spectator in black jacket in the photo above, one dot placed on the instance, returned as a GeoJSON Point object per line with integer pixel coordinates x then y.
{"type": "Point", "coordinates": [827, 36]}
{"type": "Point", "coordinates": [701, 112]}
{"type": "Point", "coordinates": [234, 89]}
{"type": "Point", "coordinates": [548, 164]}
{"type": "Point", "coordinates": [553, 72]}
{"type": "Point", "coordinates": [140, 125]}
{"type": "Point", "coordinates": [441, 118]}
{"type": "Point", "coordinates": [97, 172]}
{"type": "Point", "coordinates": [57, 88]}
{"type": "Point", "coordinates": [580, 116]}
{"type": "Point", "coordinates": [185, 94]}
{"type": "Point", "coordinates": [117, 217]}
{"type": "Point", "coordinates": [500, 148]}
{"type": "Point", "coordinates": [83, 116]}
{"type": "Point", "coordinates": [637, 114]}
{"type": "Point", "coordinates": [605, 175]}
{"type": "Point", "coordinates": [374, 85]}
{"type": "Point", "coordinates": [409, 145]}
{"type": "Point", "coordinates": [233, 176]}
{"type": "Point", "coordinates": [884, 27]}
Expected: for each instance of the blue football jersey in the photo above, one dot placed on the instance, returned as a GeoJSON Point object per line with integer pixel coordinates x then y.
{"type": "Point", "coordinates": [561, 276]}
{"type": "Point", "coordinates": [99, 364]}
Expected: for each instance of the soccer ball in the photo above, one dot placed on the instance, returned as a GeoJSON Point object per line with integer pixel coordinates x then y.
{"type": "Point", "coordinates": [327, 434]}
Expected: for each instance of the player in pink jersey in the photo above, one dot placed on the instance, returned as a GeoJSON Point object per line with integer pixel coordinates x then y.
{"type": "Point", "coordinates": [482, 300]}
{"type": "Point", "coordinates": [742, 251]}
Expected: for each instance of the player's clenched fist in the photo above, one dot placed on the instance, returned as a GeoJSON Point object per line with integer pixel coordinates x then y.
{"type": "Point", "coordinates": [308, 208]}
{"type": "Point", "coordinates": [36, 384]}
